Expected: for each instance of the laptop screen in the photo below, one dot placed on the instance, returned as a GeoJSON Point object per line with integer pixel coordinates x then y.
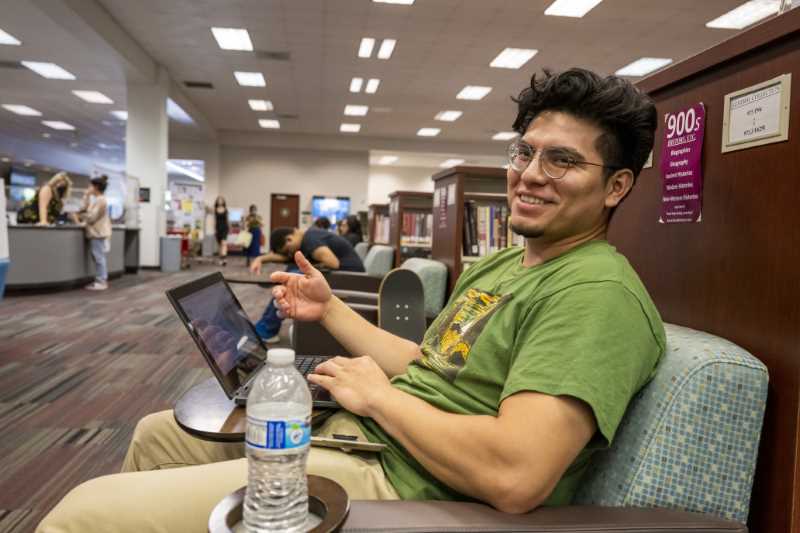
{"type": "Point", "coordinates": [223, 328]}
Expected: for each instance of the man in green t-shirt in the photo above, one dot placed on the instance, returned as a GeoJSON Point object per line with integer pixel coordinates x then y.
{"type": "Point", "coordinates": [526, 372]}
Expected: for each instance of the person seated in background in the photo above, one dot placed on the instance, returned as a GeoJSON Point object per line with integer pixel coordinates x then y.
{"type": "Point", "coordinates": [94, 215]}
{"type": "Point", "coordinates": [322, 223]}
{"type": "Point", "coordinates": [323, 247]}
{"type": "Point", "coordinates": [48, 201]}
{"type": "Point", "coordinates": [350, 229]}
{"type": "Point", "coordinates": [524, 375]}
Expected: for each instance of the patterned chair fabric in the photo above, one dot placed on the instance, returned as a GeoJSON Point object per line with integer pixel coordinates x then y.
{"type": "Point", "coordinates": [689, 440]}
{"type": "Point", "coordinates": [361, 249]}
{"type": "Point", "coordinates": [379, 260]}
{"type": "Point", "coordinates": [434, 282]}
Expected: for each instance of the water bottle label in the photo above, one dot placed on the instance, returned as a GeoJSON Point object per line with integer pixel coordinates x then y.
{"type": "Point", "coordinates": [278, 434]}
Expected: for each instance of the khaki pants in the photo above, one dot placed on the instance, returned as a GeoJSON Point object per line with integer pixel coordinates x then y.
{"type": "Point", "coordinates": [171, 481]}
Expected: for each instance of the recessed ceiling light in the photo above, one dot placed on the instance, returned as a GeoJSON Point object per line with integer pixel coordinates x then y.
{"type": "Point", "coordinates": [73, 145]}
{"type": "Point", "coordinates": [250, 79]}
{"type": "Point", "coordinates": [349, 128]}
{"type": "Point", "coordinates": [356, 110]}
{"type": "Point", "coordinates": [643, 66]}
{"type": "Point", "coordinates": [177, 113]}
{"type": "Point", "coordinates": [571, 8]}
{"type": "Point", "coordinates": [5, 159]}
{"type": "Point", "coordinates": [504, 135]}
{"type": "Point", "coordinates": [58, 125]}
{"type": "Point", "coordinates": [366, 46]}
{"type": "Point", "coordinates": [260, 105]}
{"type": "Point", "coordinates": [398, 2]}
{"type": "Point", "coordinates": [48, 70]}
{"type": "Point", "coordinates": [93, 97]}
{"type": "Point", "coordinates": [372, 85]}
{"type": "Point", "coordinates": [451, 163]}
{"type": "Point", "coordinates": [386, 49]}
{"type": "Point", "coordinates": [428, 132]}
{"type": "Point", "coordinates": [473, 92]}
{"type": "Point", "coordinates": [513, 57]}
{"type": "Point", "coordinates": [233, 39]}
{"type": "Point", "coordinates": [269, 123]}
{"type": "Point", "coordinates": [7, 38]}
{"type": "Point", "coordinates": [745, 15]}
{"type": "Point", "coordinates": [387, 159]}
{"type": "Point", "coordinates": [46, 135]}
{"type": "Point", "coordinates": [121, 115]}
{"type": "Point", "coordinates": [22, 110]}
{"type": "Point", "coordinates": [355, 85]}
{"type": "Point", "coordinates": [448, 116]}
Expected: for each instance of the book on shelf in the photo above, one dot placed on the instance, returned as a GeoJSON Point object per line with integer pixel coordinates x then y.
{"type": "Point", "coordinates": [487, 229]}
{"type": "Point", "coordinates": [382, 227]}
{"type": "Point", "coordinates": [416, 229]}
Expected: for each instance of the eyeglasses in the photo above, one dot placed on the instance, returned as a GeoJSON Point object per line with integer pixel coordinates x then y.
{"type": "Point", "coordinates": [555, 162]}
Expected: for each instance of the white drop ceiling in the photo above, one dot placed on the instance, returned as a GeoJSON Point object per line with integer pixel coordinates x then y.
{"type": "Point", "coordinates": [442, 46]}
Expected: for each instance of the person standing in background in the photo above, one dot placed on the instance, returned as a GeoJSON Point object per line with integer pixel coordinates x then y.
{"type": "Point", "coordinates": [221, 227]}
{"type": "Point", "coordinates": [94, 214]}
{"type": "Point", "coordinates": [45, 206]}
{"type": "Point", "coordinates": [253, 223]}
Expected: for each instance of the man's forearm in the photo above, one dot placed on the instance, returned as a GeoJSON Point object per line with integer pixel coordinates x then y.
{"type": "Point", "coordinates": [272, 257]}
{"type": "Point", "coordinates": [360, 337]}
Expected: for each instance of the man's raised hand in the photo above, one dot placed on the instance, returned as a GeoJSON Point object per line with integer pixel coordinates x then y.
{"type": "Point", "coordinates": [302, 296]}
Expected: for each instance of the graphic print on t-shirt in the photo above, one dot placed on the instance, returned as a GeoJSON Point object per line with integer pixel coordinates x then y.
{"type": "Point", "coordinates": [446, 347]}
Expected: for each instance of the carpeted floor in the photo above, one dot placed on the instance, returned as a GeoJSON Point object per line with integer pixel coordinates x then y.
{"type": "Point", "coordinates": [77, 370]}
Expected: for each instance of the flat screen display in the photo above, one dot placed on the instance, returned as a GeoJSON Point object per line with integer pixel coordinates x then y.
{"type": "Point", "coordinates": [336, 208]}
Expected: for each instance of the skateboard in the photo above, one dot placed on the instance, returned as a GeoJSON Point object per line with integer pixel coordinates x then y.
{"type": "Point", "coordinates": [401, 305]}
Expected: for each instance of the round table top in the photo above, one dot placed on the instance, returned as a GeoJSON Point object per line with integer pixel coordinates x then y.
{"type": "Point", "coordinates": [205, 411]}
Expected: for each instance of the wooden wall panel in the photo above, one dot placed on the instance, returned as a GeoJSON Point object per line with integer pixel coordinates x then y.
{"type": "Point", "coordinates": [736, 274]}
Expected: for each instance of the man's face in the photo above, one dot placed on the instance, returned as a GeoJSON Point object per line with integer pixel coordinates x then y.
{"type": "Point", "coordinates": [292, 243]}
{"type": "Point", "coordinates": [558, 210]}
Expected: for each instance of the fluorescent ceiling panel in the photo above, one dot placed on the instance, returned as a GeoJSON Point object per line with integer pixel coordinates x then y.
{"type": "Point", "coordinates": [451, 163]}
{"type": "Point", "coordinates": [745, 15]}
{"type": "Point", "coordinates": [428, 132]}
{"type": "Point", "coordinates": [58, 125]}
{"type": "Point", "coordinates": [366, 46]}
{"type": "Point", "coordinates": [93, 97]}
{"type": "Point", "coordinates": [349, 128]}
{"type": "Point", "coordinates": [233, 39]}
{"type": "Point", "coordinates": [270, 124]}
{"type": "Point", "coordinates": [473, 92]}
{"type": "Point", "coordinates": [448, 116]}
{"type": "Point", "coordinates": [386, 49]}
{"type": "Point", "coordinates": [356, 110]}
{"type": "Point", "coordinates": [398, 2]}
{"type": "Point", "coordinates": [180, 169]}
{"type": "Point", "coordinates": [372, 86]}
{"type": "Point", "coordinates": [261, 105]}
{"type": "Point", "coordinates": [7, 38]}
{"type": "Point", "coordinates": [571, 8]}
{"type": "Point", "coordinates": [643, 66]}
{"type": "Point", "coordinates": [387, 159]}
{"type": "Point", "coordinates": [121, 115]}
{"type": "Point", "coordinates": [355, 85]}
{"type": "Point", "coordinates": [22, 110]}
{"type": "Point", "coordinates": [48, 70]}
{"type": "Point", "coordinates": [513, 58]}
{"type": "Point", "coordinates": [250, 79]}
{"type": "Point", "coordinates": [504, 135]}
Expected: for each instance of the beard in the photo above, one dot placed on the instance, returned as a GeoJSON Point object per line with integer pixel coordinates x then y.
{"type": "Point", "coordinates": [528, 233]}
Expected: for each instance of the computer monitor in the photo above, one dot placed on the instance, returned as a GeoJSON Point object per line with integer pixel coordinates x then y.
{"type": "Point", "coordinates": [335, 208]}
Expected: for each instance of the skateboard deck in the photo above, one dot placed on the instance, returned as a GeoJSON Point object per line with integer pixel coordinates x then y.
{"type": "Point", "coordinates": [401, 305]}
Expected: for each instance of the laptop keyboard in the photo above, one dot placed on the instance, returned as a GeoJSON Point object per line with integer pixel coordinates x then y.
{"type": "Point", "coordinates": [305, 365]}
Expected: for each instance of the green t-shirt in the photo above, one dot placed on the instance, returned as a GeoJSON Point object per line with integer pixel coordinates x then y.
{"type": "Point", "coordinates": [581, 324]}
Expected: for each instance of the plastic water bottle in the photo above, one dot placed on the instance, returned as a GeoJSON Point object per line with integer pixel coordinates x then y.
{"type": "Point", "coordinates": [277, 441]}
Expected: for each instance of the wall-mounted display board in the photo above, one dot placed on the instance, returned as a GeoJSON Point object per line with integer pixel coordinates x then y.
{"type": "Point", "coordinates": [757, 115]}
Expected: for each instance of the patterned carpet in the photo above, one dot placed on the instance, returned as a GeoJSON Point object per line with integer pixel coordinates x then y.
{"type": "Point", "coordinates": [77, 370]}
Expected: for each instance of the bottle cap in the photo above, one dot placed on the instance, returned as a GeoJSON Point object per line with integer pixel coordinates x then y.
{"type": "Point", "coordinates": [280, 356]}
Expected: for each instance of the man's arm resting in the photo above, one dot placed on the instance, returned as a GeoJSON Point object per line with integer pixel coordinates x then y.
{"type": "Point", "coordinates": [326, 257]}
{"type": "Point", "coordinates": [360, 337]}
{"type": "Point", "coordinates": [513, 461]}
{"type": "Point", "coordinates": [272, 257]}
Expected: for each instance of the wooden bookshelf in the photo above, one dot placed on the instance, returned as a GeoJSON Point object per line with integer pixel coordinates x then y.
{"type": "Point", "coordinates": [403, 204]}
{"type": "Point", "coordinates": [375, 212]}
{"type": "Point", "coordinates": [453, 187]}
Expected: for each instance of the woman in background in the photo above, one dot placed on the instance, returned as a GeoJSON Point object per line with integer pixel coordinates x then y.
{"type": "Point", "coordinates": [350, 229]}
{"type": "Point", "coordinates": [45, 206]}
{"type": "Point", "coordinates": [94, 213]}
{"type": "Point", "coordinates": [253, 224]}
{"type": "Point", "coordinates": [221, 227]}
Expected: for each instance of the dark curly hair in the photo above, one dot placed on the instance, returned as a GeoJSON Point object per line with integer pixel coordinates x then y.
{"type": "Point", "coordinates": [277, 239]}
{"type": "Point", "coordinates": [626, 115]}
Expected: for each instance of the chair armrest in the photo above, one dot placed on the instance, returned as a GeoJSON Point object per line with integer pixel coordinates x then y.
{"type": "Point", "coordinates": [353, 281]}
{"type": "Point", "coordinates": [354, 297]}
{"type": "Point", "coordinates": [439, 516]}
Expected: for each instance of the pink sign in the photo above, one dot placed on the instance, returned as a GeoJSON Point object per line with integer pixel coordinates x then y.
{"type": "Point", "coordinates": [681, 165]}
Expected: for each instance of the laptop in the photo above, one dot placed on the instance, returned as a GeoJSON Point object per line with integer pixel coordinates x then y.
{"type": "Point", "coordinates": [228, 340]}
